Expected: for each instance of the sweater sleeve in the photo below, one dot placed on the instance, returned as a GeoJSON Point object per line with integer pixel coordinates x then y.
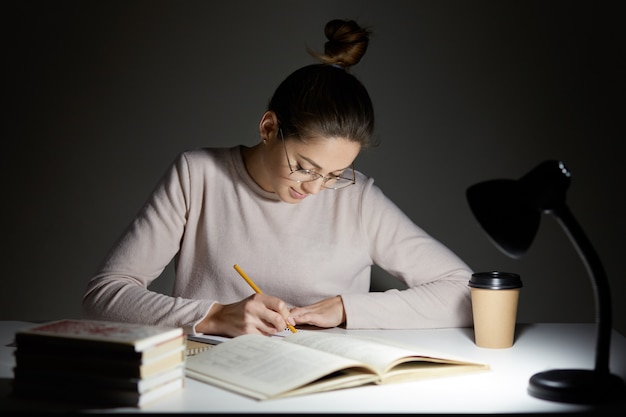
{"type": "Point", "coordinates": [437, 280]}
{"type": "Point", "coordinates": [119, 289]}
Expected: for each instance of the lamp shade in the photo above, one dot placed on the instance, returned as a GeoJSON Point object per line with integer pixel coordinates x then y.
{"type": "Point", "coordinates": [510, 211]}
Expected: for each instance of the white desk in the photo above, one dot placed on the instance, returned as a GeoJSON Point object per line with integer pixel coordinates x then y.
{"type": "Point", "coordinates": [538, 347]}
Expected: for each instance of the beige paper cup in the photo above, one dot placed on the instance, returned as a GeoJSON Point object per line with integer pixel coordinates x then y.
{"type": "Point", "coordinates": [495, 297]}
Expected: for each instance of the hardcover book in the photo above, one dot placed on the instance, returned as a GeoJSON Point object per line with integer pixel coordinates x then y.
{"type": "Point", "coordinates": [95, 365]}
{"type": "Point", "coordinates": [98, 397]}
{"type": "Point", "coordinates": [93, 334]}
{"type": "Point", "coordinates": [77, 382]}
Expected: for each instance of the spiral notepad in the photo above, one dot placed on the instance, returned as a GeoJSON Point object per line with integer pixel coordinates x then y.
{"type": "Point", "coordinates": [193, 347]}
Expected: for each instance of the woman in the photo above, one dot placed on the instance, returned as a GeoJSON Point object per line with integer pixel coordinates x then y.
{"type": "Point", "coordinates": [294, 213]}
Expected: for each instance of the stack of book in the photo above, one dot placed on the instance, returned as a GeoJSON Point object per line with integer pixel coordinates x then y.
{"type": "Point", "coordinates": [98, 362]}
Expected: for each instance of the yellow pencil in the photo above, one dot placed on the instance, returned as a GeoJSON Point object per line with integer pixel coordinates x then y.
{"type": "Point", "coordinates": [257, 290]}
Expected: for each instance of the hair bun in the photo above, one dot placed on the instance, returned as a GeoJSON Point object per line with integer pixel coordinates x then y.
{"type": "Point", "coordinates": [346, 45]}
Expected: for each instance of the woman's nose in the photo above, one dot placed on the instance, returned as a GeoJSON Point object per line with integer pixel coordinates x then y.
{"type": "Point", "coordinates": [313, 187]}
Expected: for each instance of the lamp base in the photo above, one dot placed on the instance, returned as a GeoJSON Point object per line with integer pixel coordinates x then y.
{"type": "Point", "coordinates": [576, 386]}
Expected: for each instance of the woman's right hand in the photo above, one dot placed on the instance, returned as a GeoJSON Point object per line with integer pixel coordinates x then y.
{"type": "Point", "coordinates": [258, 313]}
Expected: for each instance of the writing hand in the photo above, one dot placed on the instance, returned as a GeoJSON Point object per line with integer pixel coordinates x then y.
{"type": "Point", "coordinates": [259, 313]}
{"type": "Point", "coordinates": [325, 313]}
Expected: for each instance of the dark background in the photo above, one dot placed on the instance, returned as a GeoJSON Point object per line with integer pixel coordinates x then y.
{"type": "Point", "coordinates": [102, 95]}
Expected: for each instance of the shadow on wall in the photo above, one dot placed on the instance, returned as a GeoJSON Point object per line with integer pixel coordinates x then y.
{"type": "Point", "coordinates": [381, 280]}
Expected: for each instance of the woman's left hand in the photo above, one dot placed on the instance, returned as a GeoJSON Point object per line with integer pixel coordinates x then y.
{"type": "Point", "coordinates": [325, 313]}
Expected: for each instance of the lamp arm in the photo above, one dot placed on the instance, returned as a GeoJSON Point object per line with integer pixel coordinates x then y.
{"type": "Point", "coordinates": [598, 279]}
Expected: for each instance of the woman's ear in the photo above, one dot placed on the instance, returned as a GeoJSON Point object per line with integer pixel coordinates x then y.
{"type": "Point", "coordinates": [268, 127]}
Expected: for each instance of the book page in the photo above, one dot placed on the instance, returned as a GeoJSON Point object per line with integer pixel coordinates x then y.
{"type": "Point", "coordinates": [264, 367]}
{"type": "Point", "coordinates": [381, 354]}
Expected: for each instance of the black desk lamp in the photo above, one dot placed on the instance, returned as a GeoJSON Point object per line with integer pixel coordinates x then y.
{"type": "Point", "coordinates": [509, 211]}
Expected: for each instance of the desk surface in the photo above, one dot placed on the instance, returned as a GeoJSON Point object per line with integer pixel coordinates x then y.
{"type": "Point", "coordinates": [538, 347]}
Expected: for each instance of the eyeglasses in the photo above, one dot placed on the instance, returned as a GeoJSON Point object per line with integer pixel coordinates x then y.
{"type": "Point", "coordinates": [333, 182]}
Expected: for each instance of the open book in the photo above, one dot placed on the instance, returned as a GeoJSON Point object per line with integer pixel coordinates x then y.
{"type": "Point", "coordinates": [311, 361]}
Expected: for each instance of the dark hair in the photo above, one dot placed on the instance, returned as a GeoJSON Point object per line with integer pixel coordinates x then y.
{"type": "Point", "coordinates": [325, 99]}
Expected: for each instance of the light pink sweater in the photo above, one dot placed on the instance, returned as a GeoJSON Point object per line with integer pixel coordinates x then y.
{"type": "Point", "coordinates": [209, 214]}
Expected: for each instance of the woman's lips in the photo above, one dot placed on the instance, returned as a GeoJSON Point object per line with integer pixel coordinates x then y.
{"type": "Point", "coordinates": [296, 195]}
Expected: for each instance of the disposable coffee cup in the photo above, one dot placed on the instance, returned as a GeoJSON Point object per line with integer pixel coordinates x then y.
{"type": "Point", "coordinates": [494, 305]}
